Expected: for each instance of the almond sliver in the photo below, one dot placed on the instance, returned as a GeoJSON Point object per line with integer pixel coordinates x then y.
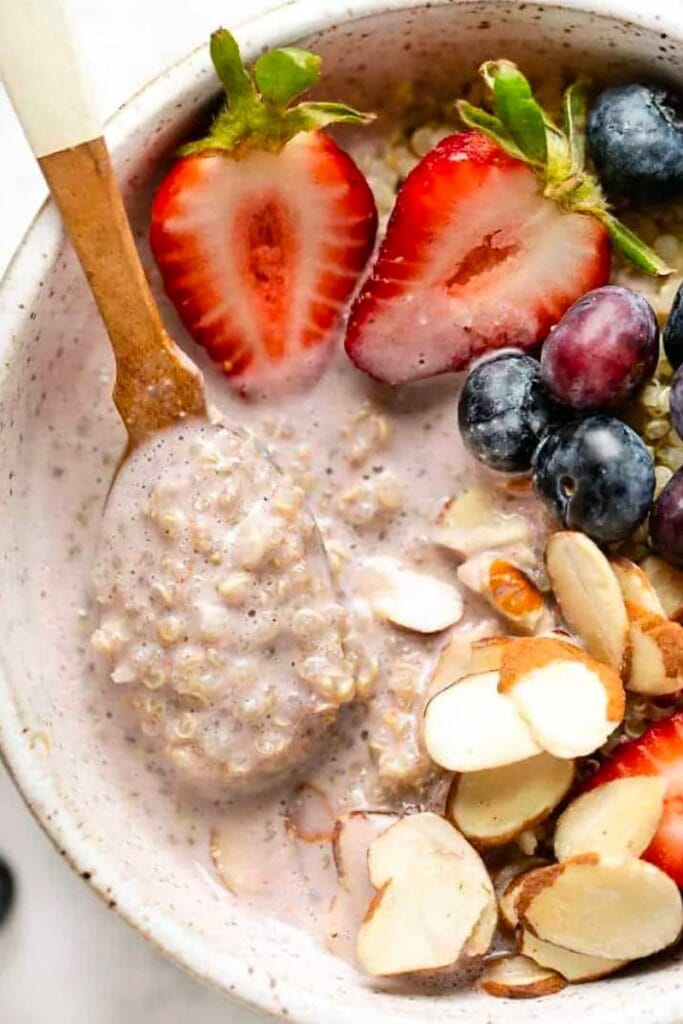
{"type": "Point", "coordinates": [517, 977]}
{"type": "Point", "coordinates": [492, 807]}
{"type": "Point", "coordinates": [572, 966]}
{"type": "Point", "coordinates": [656, 662]}
{"type": "Point", "coordinates": [618, 819]}
{"type": "Point", "coordinates": [506, 588]}
{"type": "Point", "coordinates": [605, 907]}
{"type": "Point", "coordinates": [589, 595]}
{"type": "Point", "coordinates": [668, 582]}
{"type": "Point", "coordinates": [570, 702]}
{"type": "Point", "coordinates": [470, 726]}
{"type": "Point", "coordinates": [412, 600]}
{"type": "Point", "coordinates": [636, 587]}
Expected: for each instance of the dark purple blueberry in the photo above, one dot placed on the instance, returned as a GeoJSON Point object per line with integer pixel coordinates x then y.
{"type": "Point", "coordinates": [6, 891]}
{"type": "Point", "coordinates": [635, 135]}
{"type": "Point", "coordinates": [666, 521]}
{"type": "Point", "coordinates": [597, 476]}
{"type": "Point", "coordinates": [604, 347]}
{"type": "Point", "coordinates": [504, 411]}
{"type": "Point", "coordinates": [676, 401]}
{"type": "Point", "coordinates": [673, 332]}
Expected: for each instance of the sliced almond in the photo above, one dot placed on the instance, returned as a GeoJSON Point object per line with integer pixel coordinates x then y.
{"type": "Point", "coordinates": [469, 524]}
{"type": "Point", "coordinates": [517, 977]}
{"type": "Point", "coordinates": [412, 600]}
{"type": "Point", "coordinates": [508, 885]}
{"type": "Point", "coordinates": [605, 907]}
{"type": "Point", "coordinates": [636, 587]}
{"type": "Point", "coordinates": [309, 814]}
{"type": "Point", "coordinates": [618, 819]}
{"type": "Point", "coordinates": [572, 966]}
{"type": "Point", "coordinates": [492, 807]}
{"type": "Point", "coordinates": [570, 701]}
{"type": "Point", "coordinates": [656, 662]}
{"type": "Point", "coordinates": [506, 588]}
{"type": "Point", "coordinates": [486, 655]}
{"type": "Point", "coordinates": [668, 582]}
{"type": "Point", "coordinates": [432, 891]}
{"type": "Point", "coordinates": [353, 834]}
{"type": "Point", "coordinates": [589, 595]}
{"type": "Point", "coordinates": [481, 938]}
{"type": "Point", "coordinates": [232, 853]}
{"type": "Point", "coordinates": [457, 658]}
{"type": "Point", "coordinates": [470, 726]}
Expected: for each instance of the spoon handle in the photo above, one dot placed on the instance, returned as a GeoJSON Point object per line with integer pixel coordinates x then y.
{"type": "Point", "coordinates": [155, 382]}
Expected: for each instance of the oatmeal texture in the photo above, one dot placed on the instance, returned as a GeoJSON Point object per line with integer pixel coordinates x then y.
{"type": "Point", "coordinates": [220, 621]}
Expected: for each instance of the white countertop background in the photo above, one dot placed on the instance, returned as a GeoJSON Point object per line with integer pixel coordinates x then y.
{"type": "Point", "coordinates": [65, 958]}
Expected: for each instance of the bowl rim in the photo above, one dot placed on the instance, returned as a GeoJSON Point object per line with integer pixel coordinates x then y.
{"type": "Point", "coordinates": [276, 23]}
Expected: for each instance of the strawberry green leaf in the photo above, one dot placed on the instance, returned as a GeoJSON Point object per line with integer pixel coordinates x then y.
{"type": "Point", "coordinates": [490, 125]}
{"type": "Point", "coordinates": [514, 103]}
{"type": "Point", "coordinates": [575, 116]}
{"type": "Point", "coordinates": [309, 116]}
{"type": "Point", "coordinates": [632, 247]}
{"type": "Point", "coordinates": [281, 75]}
{"type": "Point", "coordinates": [227, 61]}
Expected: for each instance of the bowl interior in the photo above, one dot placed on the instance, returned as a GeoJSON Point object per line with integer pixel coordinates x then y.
{"type": "Point", "coordinates": [59, 443]}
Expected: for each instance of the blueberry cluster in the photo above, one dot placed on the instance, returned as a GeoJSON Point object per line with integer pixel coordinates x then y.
{"type": "Point", "coordinates": [558, 418]}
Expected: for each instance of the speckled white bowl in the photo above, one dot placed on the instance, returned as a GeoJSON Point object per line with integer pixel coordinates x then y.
{"type": "Point", "coordinates": [51, 378]}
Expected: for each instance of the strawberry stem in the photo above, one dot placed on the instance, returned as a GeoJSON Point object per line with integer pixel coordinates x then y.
{"type": "Point", "coordinates": [524, 130]}
{"type": "Point", "coordinates": [257, 113]}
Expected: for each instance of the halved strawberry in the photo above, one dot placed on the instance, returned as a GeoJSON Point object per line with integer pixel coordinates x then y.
{"type": "Point", "coordinates": [261, 230]}
{"type": "Point", "coordinates": [495, 233]}
{"type": "Point", "coordinates": [474, 259]}
{"type": "Point", "coordinates": [659, 751]}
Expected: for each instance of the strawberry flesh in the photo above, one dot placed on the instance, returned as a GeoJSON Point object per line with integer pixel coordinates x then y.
{"type": "Point", "coordinates": [659, 751]}
{"type": "Point", "coordinates": [474, 259]}
{"type": "Point", "coordinates": [259, 255]}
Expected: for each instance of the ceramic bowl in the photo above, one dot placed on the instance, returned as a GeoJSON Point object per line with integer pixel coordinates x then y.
{"type": "Point", "coordinates": [59, 440]}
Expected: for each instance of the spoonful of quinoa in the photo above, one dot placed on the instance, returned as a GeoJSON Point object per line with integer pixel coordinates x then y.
{"type": "Point", "coordinates": [216, 607]}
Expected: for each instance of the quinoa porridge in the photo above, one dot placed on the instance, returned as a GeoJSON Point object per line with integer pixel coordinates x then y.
{"type": "Point", "coordinates": [279, 637]}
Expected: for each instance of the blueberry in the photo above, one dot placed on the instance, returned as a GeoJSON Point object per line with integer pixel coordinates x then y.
{"type": "Point", "coordinates": [666, 521]}
{"type": "Point", "coordinates": [505, 411]}
{"type": "Point", "coordinates": [6, 891]}
{"type": "Point", "coordinates": [635, 134]}
{"type": "Point", "coordinates": [673, 332]}
{"type": "Point", "coordinates": [676, 401]}
{"type": "Point", "coordinates": [596, 476]}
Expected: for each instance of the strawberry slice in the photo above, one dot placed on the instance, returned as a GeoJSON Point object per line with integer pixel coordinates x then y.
{"type": "Point", "coordinates": [474, 259]}
{"type": "Point", "coordinates": [261, 230]}
{"type": "Point", "coordinates": [659, 751]}
{"type": "Point", "coordinates": [495, 233]}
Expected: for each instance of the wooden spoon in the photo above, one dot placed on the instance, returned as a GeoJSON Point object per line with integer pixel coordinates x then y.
{"type": "Point", "coordinates": [156, 384]}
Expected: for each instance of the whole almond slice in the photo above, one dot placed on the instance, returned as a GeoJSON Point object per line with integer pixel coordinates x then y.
{"type": "Point", "coordinates": [469, 508]}
{"type": "Point", "coordinates": [573, 967]}
{"type": "Point", "coordinates": [469, 524]}
{"type": "Point", "coordinates": [605, 907]}
{"type": "Point", "coordinates": [635, 587]}
{"type": "Point", "coordinates": [656, 662]}
{"type": "Point", "coordinates": [492, 807]}
{"type": "Point", "coordinates": [470, 726]}
{"type": "Point", "coordinates": [570, 702]}
{"type": "Point", "coordinates": [589, 595]}
{"type": "Point", "coordinates": [432, 891]}
{"type": "Point", "coordinates": [518, 977]}
{"type": "Point", "coordinates": [482, 935]}
{"type": "Point", "coordinates": [668, 583]}
{"type": "Point", "coordinates": [506, 588]}
{"type": "Point", "coordinates": [618, 819]}
{"type": "Point", "coordinates": [409, 599]}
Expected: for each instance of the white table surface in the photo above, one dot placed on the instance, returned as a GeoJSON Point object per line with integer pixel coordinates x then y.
{"type": "Point", "coordinates": [65, 958]}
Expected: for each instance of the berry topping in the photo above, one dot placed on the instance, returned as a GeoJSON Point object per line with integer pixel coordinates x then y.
{"type": "Point", "coordinates": [505, 411]}
{"type": "Point", "coordinates": [596, 476]}
{"type": "Point", "coordinates": [676, 402]}
{"type": "Point", "coordinates": [261, 229]}
{"type": "Point", "coordinates": [673, 332]}
{"type": "Point", "coordinates": [603, 349]}
{"type": "Point", "coordinates": [659, 751]}
{"type": "Point", "coordinates": [494, 234]}
{"type": "Point", "coordinates": [635, 133]}
{"type": "Point", "coordinates": [666, 521]}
